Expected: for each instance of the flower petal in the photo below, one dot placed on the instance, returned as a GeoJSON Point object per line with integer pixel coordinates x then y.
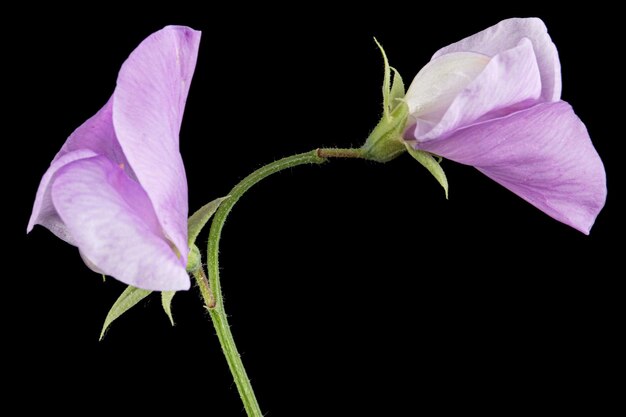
{"type": "Point", "coordinates": [114, 225]}
{"type": "Point", "coordinates": [435, 87]}
{"type": "Point", "coordinates": [148, 105]}
{"type": "Point", "coordinates": [506, 35]}
{"type": "Point", "coordinates": [97, 135]}
{"type": "Point", "coordinates": [44, 212]}
{"type": "Point", "coordinates": [543, 154]}
{"type": "Point", "coordinates": [508, 82]}
{"type": "Point", "coordinates": [94, 137]}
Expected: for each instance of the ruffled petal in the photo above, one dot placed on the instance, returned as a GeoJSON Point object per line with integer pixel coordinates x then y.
{"type": "Point", "coordinates": [148, 105]}
{"type": "Point", "coordinates": [543, 154]}
{"type": "Point", "coordinates": [506, 35]}
{"type": "Point", "coordinates": [509, 81]}
{"type": "Point", "coordinates": [113, 223]}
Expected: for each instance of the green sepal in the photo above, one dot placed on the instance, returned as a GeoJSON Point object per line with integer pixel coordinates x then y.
{"type": "Point", "coordinates": [385, 142]}
{"type": "Point", "coordinates": [194, 259]}
{"type": "Point", "coordinates": [128, 299]}
{"type": "Point", "coordinates": [397, 92]}
{"type": "Point", "coordinates": [386, 81]}
{"type": "Point", "coordinates": [166, 302]}
{"type": "Point", "coordinates": [429, 162]}
{"type": "Point", "coordinates": [197, 220]}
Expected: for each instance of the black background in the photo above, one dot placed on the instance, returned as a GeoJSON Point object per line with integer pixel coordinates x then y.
{"type": "Point", "coordinates": [353, 288]}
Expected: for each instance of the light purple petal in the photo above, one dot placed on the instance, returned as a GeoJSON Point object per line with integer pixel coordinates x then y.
{"type": "Point", "coordinates": [148, 106]}
{"type": "Point", "coordinates": [94, 137]}
{"type": "Point", "coordinates": [509, 81]}
{"type": "Point", "coordinates": [114, 225]}
{"type": "Point", "coordinates": [506, 35]}
{"type": "Point", "coordinates": [543, 154]}
{"type": "Point", "coordinates": [44, 212]}
{"type": "Point", "coordinates": [97, 135]}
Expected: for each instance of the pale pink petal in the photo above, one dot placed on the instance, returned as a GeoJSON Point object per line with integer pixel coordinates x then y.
{"type": "Point", "coordinates": [435, 87]}
{"type": "Point", "coordinates": [112, 221]}
{"type": "Point", "coordinates": [506, 35]}
{"type": "Point", "coordinates": [543, 154]}
{"type": "Point", "coordinates": [508, 82]}
{"type": "Point", "coordinates": [148, 106]}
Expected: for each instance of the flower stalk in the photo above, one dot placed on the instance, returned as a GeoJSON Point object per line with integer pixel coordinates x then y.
{"type": "Point", "coordinates": [211, 289]}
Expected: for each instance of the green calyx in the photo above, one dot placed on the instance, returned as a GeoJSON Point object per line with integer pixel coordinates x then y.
{"type": "Point", "coordinates": [385, 142]}
{"type": "Point", "coordinates": [194, 259]}
{"type": "Point", "coordinates": [132, 295]}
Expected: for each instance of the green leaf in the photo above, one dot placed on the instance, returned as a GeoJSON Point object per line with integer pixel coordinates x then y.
{"type": "Point", "coordinates": [166, 301]}
{"type": "Point", "coordinates": [431, 164]}
{"type": "Point", "coordinates": [397, 93]}
{"type": "Point", "coordinates": [129, 298]}
{"type": "Point", "coordinates": [197, 220]}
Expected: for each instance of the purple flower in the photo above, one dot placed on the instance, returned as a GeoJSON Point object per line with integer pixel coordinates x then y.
{"type": "Point", "coordinates": [492, 101]}
{"type": "Point", "coordinates": [117, 188]}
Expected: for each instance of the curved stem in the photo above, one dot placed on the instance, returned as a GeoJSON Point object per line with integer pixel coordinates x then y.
{"type": "Point", "coordinates": [235, 194]}
{"type": "Point", "coordinates": [211, 291]}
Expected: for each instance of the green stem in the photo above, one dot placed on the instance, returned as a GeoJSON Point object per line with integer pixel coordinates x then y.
{"type": "Point", "coordinates": [339, 153]}
{"type": "Point", "coordinates": [205, 290]}
{"type": "Point", "coordinates": [211, 291]}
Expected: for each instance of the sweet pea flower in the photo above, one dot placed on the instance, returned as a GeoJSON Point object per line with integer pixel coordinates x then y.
{"type": "Point", "coordinates": [117, 189]}
{"type": "Point", "coordinates": [492, 101]}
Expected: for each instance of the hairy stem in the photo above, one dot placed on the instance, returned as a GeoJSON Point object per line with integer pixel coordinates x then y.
{"type": "Point", "coordinates": [211, 291]}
